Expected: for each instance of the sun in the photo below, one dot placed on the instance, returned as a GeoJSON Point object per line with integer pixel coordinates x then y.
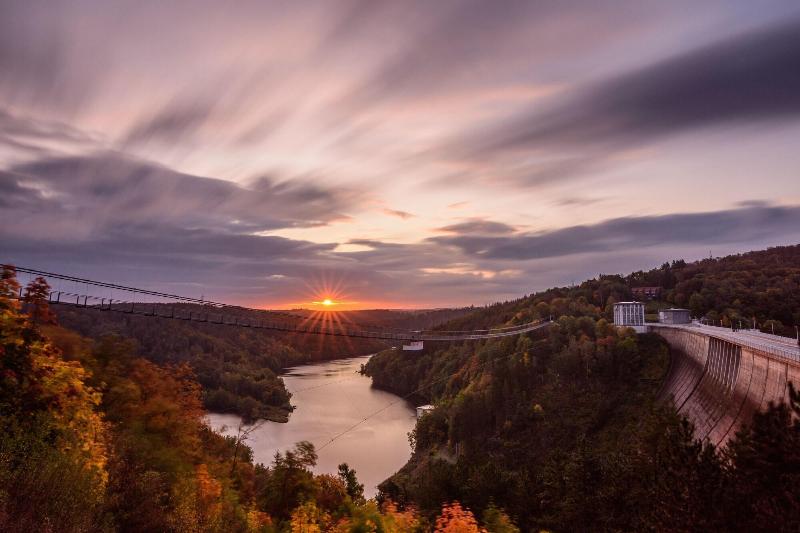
{"type": "Point", "coordinates": [327, 295]}
{"type": "Point", "coordinates": [326, 303]}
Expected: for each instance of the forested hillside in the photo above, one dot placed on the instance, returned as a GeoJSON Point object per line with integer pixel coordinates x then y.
{"type": "Point", "coordinates": [96, 439]}
{"type": "Point", "coordinates": [238, 367]}
{"type": "Point", "coordinates": [564, 432]}
{"type": "Point", "coordinates": [762, 285]}
{"type": "Point", "coordinates": [555, 431]}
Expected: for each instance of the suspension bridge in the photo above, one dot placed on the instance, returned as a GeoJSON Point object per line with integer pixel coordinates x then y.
{"type": "Point", "coordinates": [86, 293]}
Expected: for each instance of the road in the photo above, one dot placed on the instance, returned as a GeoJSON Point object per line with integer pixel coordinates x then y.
{"type": "Point", "coordinates": [783, 347]}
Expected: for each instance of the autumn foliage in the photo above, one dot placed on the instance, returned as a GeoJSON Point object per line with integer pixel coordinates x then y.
{"type": "Point", "coordinates": [97, 439]}
{"type": "Point", "coordinates": [455, 519]}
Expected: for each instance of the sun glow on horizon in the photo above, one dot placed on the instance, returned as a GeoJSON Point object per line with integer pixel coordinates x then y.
{"type": "Point", "coordinates": [328, 293]}
{"type": "Point", "coordinates": [333, 304]}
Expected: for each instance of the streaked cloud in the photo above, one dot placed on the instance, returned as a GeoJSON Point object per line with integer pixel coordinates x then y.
{"type": "Point", "coordinates": [746, 78]}
{"type": "Point", "coordinates": [478, 226]}
{"type": "Point", "coordinates": [398, 213]}
{"type": "Point", "coordinates": [743, 225]}
{"type": "Point", "coordinates": [77, 195]}
{"type": "Point", "coordinates": [422, 153]}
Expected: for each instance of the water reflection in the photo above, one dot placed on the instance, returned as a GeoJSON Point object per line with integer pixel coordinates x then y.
{"type": "Point", "coordinates": [330, 398]}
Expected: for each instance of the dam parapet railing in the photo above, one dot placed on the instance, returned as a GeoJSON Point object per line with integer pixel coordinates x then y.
{"type": "Point", "coordinates": [783, 348]}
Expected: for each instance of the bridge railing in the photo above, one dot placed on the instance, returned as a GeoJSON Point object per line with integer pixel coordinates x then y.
{"type": "Point", "coordinates": [215, 314]}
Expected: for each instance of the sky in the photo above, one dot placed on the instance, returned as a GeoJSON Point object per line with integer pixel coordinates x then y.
{"type": "Point", "coordinates": [393, 154]}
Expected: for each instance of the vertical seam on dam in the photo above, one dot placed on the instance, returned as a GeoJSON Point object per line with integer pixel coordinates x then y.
{"type": "Point", "coordinates": [744, 397]}
{"type": "Point", "coordinates": [697, 383]}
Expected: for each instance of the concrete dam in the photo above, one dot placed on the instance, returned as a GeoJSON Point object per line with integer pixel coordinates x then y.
{"type": "Point", "coordinates": [718, 378]}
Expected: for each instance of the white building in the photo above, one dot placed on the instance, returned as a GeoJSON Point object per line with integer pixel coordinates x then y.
{"type": "Point", "coordinates": [414, 346]}
{"type": "Point", "coordinates": [629, 314]}
{"type": "Point", "coordinates": [674, 316]}
{"type": "Point", "coordinates": [422, 409]}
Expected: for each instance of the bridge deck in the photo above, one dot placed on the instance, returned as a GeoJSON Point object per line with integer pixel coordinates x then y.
{"type": "Point", "coordinates": [217, 315]}
{"type": "Point", "coordinates": [176, 307]}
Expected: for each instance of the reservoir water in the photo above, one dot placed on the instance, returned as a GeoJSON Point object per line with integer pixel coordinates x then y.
{"type": "Point", "coordinates": [329, 398]}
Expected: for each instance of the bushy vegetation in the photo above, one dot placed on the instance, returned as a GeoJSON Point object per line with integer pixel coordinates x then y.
{"type": "Point", "coordinates": [556, 431]}
{"type": "Point", "coordinates": [763, 286]}
{"type": "Point", "coordinates": [238, 368]}
{"type": "Point", "coordinates": [514, 416]}
{"type": "Point", "coordinates": [95, 438]}
{"type": "Point", "coordinates": [563, 430]}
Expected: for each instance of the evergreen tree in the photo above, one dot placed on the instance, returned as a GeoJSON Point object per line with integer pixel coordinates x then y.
{"type": "Point", "coordinates": [354, 489]}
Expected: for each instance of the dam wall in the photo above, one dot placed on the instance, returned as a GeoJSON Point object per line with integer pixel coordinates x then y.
{"type": "Point", "coordinates": [718, 384]}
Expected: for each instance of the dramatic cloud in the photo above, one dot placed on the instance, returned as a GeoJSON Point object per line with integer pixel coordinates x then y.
{"type": "Point", "coordinates": [751, 77]}
{"type": "Point", "coordinates": [397, 213]}
{"type": "Point", "coordinates": [473, 43]}
{"type": "Point", "coordinates": [32, 58]}
{"type": "Point", "coordinates": [478, 227]}
{"type": "Point", "coordinates": [32, 137]}
{"type": "Point", "coordinates": [171, 123]}
{"type": "Point", "coordinates": [748, 224]}
{"type": "Point", "coordinates": [420, 153]}
{"type": "Point", "coordinates": [109, 190]}
{"type": "Point", "coordinates": [13, 195]}
{"type": "Point", "coordinates": [480, 261]}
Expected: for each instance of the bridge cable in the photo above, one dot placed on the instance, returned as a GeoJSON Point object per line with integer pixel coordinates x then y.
{"type": "Point", "coordinates": [406, 397]}
{"type": "Point", "coordinates": [334, 329]}
{"type": "Point", "coordinates": [312, 387]}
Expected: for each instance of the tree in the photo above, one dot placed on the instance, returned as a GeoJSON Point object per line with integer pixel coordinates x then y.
{"type": "Point", "coordinates": [306, 518]}
{"type": "Point", "coordinates": [331, 494]}
{"type": "Point", "coordinates": [354, 489]}
{"type": "Point", "coordinates": [763, 472]}
{"type": "Point", "coordinates": [53, 443]}
{"type": "Point", "coordinates": [396, 521]}
{"type": "Point", "coordinates": [696, 304]}
{"type": "Point", "coordinates": [37, 295]}
{"type": "Point", "coordinates": [242, 434]}
{"type": "Point", "coordinates": [8, 285]}
{"type": "Point", "coordinates": [289, 480]}
{"type": "Point", "coordinates": [497, 521]}
{"type": "Point", "coordinates": [455, 519]}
